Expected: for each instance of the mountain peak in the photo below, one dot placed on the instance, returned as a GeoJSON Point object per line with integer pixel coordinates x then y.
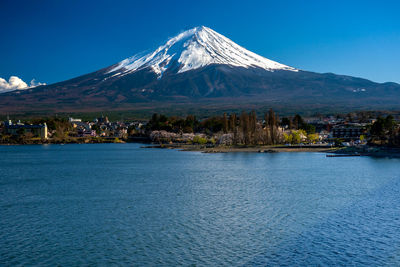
{"type": "Point", "coordinates": [193, 49]}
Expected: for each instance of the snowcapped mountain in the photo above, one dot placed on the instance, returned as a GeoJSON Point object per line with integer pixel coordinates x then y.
{"type": "Point", "coordinates": [194, 49]}
{"type": "Point", "coordinates": [201, 68]}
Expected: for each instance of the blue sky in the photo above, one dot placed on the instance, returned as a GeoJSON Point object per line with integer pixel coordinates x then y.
{"type": "Point", "coordinates": [56, 40]}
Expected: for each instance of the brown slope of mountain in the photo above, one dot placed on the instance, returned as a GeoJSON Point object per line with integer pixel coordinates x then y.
{"type": "Point", "coordinates": [212, 85]}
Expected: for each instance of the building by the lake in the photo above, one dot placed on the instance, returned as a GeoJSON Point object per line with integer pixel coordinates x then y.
{"type": "Point", "coordinates": [38, 130]}
{"type": "Point", "coordinates": [350, 131]}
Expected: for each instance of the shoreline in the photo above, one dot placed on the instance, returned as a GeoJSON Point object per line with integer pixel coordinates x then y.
{"type": "Point", "coordinates": [75, 140]}
{"type": "Point", "coordinates": [377, 152]}
{"type": "Point", "coordinates": [248, 149]}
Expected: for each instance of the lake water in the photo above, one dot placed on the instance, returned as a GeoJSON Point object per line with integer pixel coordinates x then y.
{"type": "Point", "coordinates": [105, 204]}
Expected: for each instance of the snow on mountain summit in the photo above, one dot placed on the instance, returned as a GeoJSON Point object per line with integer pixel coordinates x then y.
{"type": "Point", "coordinates": [196, 48]}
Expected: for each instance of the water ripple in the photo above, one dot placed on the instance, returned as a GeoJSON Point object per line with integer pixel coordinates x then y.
{"type": "Point", "coordinates": [113, 204]}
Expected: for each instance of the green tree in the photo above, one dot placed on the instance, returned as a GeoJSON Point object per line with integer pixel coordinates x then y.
{"type": "Point", "coordinates": [310, 129]}
{"type": "Point", "coordinates": [378, 128]}
{"type": "Point", "coordinates": [389, 124]}
{"type": "Point", "coordinates": [312, 138]}
{"type": "Point", "coordinates": [199, 140]}
{"type": "Point", "coordinates": [288, 138]}
{"type": "Point", "coordinates": [296, 139]}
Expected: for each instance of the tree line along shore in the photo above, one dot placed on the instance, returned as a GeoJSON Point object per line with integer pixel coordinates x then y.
{"type": "Point", "coordinates": [228, 132]}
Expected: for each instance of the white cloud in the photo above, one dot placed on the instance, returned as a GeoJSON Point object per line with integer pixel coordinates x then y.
{"type": "Point", "coordinates": [34, 83]}
{"type": "Point", "coordinates": [15, 83]}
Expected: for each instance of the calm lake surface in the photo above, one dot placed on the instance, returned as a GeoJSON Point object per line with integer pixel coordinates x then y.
{"type": "Point", "coordinates": [105, 204]}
